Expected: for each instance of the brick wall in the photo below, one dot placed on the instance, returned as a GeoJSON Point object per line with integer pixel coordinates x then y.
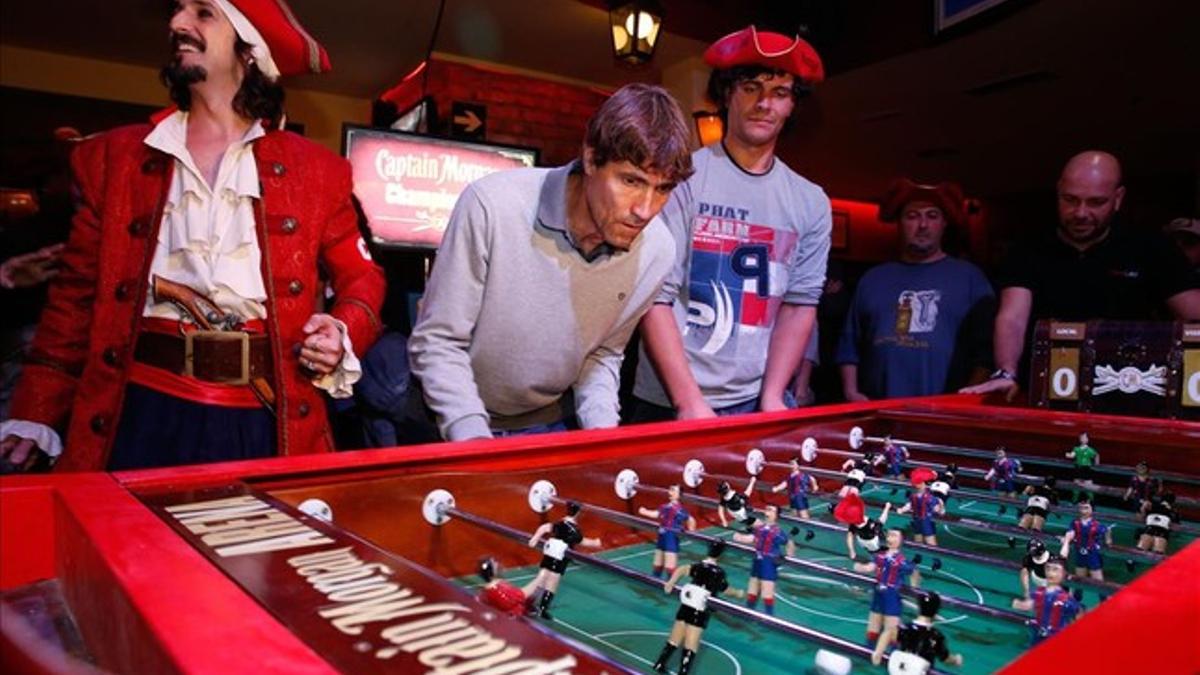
{"type": "Point", "coordinates": [521, 110]}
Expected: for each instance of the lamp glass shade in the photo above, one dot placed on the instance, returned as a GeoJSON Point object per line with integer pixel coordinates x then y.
{"type": "Point", "coordinates": [635, 29]}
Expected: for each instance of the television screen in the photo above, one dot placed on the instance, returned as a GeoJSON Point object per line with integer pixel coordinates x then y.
{"type": "Point", "coordinates": [407, 184]}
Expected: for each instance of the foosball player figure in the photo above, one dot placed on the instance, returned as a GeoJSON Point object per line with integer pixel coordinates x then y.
{"type": "Point", "coordinates": [798, 485]}
{"type": "Point", "coordinates": [500, 594]}
{"type": "Point", "coordinates": [1053, 605]}
{"type": "Point", "coordinates": [1002, 476]}
{"type": "Point", "coordinates": [1086, 458]}
{"type": "Point", "coordinates": [891, 571]}
{"type": "Point", "coordinates": [1033, 565]}
{"type": "Point", "coordinates": [705, 579]}
{"type": "Point", "coordinates": [1159, 518]}
{"type": "Point", "coordinates": [558, 537]}
{"type": "Point", "coordinates": [894, 455]}
{"type": "Point", "coordinates": [1142, 489]}
{"type": "Point", "coordinates": [672, 518]}
{"type": "Point", "coordinates": [856, 471]}
{"type": "Point", "coordinates": [918, 644]}
{"type": "Point", "coordinates": [852, 512]}
{"type": "Point", "coordinates": [1088, 536]}
{"type": "Point", "coordinates": [771, 543]}
{"type": "Point", "coordinates": [735, 504]}
{"type": "Point", "coordinates": [947, 479]}
{"type": "Point", "coordinates": [923, 505]}
{"type": "Point", "coordinates": [1037, 504]}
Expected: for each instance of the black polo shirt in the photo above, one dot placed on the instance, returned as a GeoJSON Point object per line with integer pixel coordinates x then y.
{"type": "Point", "coordinates": [1128, 275]}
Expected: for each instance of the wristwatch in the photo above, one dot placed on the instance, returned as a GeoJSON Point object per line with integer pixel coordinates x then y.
{"type": "Point", "coordinates": [1002, 374]}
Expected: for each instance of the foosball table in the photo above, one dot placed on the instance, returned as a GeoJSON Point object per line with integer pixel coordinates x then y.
{"type": "Point", "coordinates": [368, 561]}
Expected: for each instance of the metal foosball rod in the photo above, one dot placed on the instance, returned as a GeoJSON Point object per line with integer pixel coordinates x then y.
{"type": "Point", "coordinates": [439, 509]}
{"type": "Point", "coordinates": [857, 438]}
{"type": "Point", "coordinates": [626, 487]}
{"type": "Point", "coordinates": [1101, 586]}
{"type": "Point", "coordinates": [1014, 531]}
{"type": "Point", "coordinates": [755, 460]}
{"type": "Point", "coordinates": [808, 449]}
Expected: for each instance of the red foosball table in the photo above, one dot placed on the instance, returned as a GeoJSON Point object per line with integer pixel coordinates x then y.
{"type": "Point", "coordinates": [365, 561]}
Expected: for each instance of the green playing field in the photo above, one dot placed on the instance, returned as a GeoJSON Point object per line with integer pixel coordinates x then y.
{"type": "Point", "coordinates": [629, 621]}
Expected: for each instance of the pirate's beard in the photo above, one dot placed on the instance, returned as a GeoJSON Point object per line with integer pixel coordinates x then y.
{"type": "Point", "coordinates": [177, 73]}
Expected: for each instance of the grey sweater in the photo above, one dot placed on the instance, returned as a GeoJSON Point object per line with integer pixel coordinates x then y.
{"type": "Point", "coordinates": [514, 316]}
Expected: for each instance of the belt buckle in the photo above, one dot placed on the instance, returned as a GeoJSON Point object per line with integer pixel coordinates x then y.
{"type": "Point", "coordinates": [189, 339]}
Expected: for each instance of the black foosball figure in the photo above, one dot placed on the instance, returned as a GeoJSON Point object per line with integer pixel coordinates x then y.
{"type": "Point", "coordinates": [1159, 518]}
{"type": "Point", "coordinates": [735, 504]}
{"type": "Point", "coordinates": [705, 579]}
{"type": "Point", "coordinates": [672, 519]}
{"type": "Point", "coordinates": [919, 644]}
{"type": "Point", "coordinates": [1033, 565]}
{"type": "Point", "coordinates": [1037, 505]}
{"type": "Point", "coordinates": [947, 479]}
{"type": "Point", "coordinates": [559, 536]}
{"type": "Point", "coordinates": [852, 512]}
{"type": "Point", "coordinates": [858, 470]}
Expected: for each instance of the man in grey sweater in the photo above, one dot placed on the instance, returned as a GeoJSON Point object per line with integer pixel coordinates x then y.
{"type": "Point", "coordinates": [543, 274]}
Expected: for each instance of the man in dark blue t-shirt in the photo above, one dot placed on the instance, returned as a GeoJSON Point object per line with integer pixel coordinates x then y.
{"type": "Point", "coordinates": [918, 326]}
{"type": "Point", "coordinates": [1087, 269]}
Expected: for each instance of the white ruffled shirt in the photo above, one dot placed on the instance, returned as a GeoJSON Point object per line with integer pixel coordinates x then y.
{"type": "Point", "coordinates": [208, 242]}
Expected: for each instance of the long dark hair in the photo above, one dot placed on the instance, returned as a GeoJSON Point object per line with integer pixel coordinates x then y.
{"type": "Point", "coordinates": [721, 82]}
{"type": "Point", "coordinates": [258, 98]}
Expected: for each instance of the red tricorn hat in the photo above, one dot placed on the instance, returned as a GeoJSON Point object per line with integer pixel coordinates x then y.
{"type": "Point", "coordinates": [922, 475]}
{"type": "Point", "coordinates": [946, 196]}
{"type": "Point", "coordinates": [281, 45]}
{"type": "Point", "coordinates": [751, 47]}
{"type": "Point", "coordinates": [850, 510]}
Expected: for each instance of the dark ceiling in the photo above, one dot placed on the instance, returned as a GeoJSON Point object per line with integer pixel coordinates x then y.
{"type": "Point", "coordinates": [998, 103]}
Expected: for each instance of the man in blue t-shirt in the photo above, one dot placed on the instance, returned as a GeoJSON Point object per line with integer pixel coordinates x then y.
{"type": "Point", "coordinates": [920, 325]}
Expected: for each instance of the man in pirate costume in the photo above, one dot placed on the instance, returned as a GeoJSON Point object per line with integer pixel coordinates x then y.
{"type": "Point", "coordinates": [186, 324]}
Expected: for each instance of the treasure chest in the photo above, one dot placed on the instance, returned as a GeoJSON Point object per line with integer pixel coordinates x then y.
{"type": "Point", "coordinates": [1143, 368]}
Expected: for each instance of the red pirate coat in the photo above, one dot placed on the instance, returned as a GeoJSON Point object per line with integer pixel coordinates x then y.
{"type": "Point", "coordinates": [76, 374]}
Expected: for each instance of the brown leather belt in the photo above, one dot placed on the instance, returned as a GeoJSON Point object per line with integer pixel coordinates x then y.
{"type": "Point", "coordinates": [225, 357]}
